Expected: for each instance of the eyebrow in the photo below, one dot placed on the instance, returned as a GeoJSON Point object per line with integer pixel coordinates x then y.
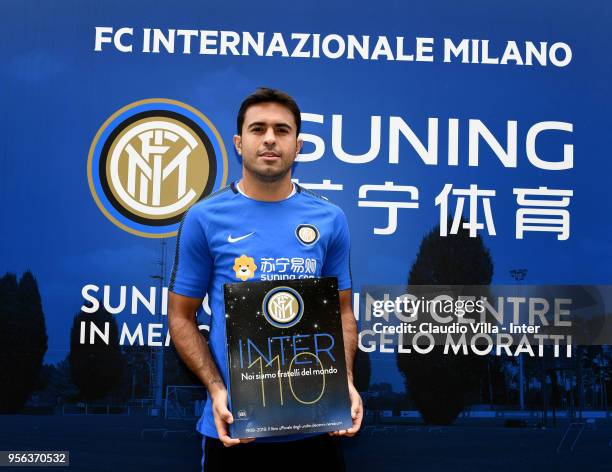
{"type": "Point", "coordinates": [277, 125]}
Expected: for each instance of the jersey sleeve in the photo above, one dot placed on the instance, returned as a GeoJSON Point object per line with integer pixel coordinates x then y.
{"type": "Point", "coordinates": [337, 259]}
{"type": "Point", "coordinates": [193, 263]}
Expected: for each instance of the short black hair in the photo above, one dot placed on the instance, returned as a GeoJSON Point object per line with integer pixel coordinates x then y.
{"type": "Point", "coordinates": [266, 95]}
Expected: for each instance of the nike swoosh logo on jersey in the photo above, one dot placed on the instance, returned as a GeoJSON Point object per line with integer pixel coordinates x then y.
{"type": "Point", "coordinates": [234, 240]}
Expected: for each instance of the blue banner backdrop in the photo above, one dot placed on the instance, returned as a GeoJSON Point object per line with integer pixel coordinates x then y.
{"type": "Point", "coordinates": [413, 115]}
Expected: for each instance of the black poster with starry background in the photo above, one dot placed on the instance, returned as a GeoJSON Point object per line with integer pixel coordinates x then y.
{"type": "Point", "coordinates": [286, 357]}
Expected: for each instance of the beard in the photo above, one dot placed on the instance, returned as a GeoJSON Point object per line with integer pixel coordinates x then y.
{"type": "Point", "coordinates": [267, 174]}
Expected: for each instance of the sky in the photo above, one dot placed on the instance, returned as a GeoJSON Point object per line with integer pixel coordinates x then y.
{"type": "Point", "coordinates": [57, 91]}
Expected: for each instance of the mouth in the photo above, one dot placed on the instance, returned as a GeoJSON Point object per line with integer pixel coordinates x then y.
{"type": "Point", "coordinates": [269, 157]}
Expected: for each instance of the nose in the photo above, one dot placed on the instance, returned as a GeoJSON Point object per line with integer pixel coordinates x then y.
{"type": "Point", "coordinates": [269, 137]}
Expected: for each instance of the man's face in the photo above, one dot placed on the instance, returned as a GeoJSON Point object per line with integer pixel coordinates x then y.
{"type": "Point", "coordinates": [268, 144]}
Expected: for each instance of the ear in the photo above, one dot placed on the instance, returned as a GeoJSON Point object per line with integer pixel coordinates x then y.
{"type": "Point", "coordinates": [238, 144]}
{"type": "Point", "coordinates": [300, 143]}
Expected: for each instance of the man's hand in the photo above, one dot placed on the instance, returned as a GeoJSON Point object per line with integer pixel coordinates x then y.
{"type": "Point", "coordinates": [194, 350]}
{"type": "Point", "coordinates": [223, 417]}
{"type": "Point", "coordinates": [356, 414]}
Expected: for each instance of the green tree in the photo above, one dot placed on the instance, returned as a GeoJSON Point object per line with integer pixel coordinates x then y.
{"type": "Point", "coordinates": [56, 383]}
{"type": "Point", "coordinates": [138, 370]}
{"type": "Point", "coordinates": [442, 385]}
{"type": "Point", "coordinates": [362, 371]}
{"type": "Point", "coordinates": [23, 340]}
{"type": "Point", "coordinates": [97, 369]}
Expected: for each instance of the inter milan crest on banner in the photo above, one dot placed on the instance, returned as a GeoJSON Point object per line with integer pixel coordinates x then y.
{"type": "Point", "coordinates": [152, 160]}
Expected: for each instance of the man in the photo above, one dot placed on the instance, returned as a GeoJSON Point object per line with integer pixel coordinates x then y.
{"type": "Point", "coordinates": [235, 235]}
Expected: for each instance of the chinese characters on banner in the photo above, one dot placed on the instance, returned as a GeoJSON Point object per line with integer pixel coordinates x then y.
{"type": "Point", "coordinates": [539, 209]}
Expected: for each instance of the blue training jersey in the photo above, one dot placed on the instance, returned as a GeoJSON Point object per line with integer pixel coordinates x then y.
{"type": "Point", "coordinates": [229, 237]}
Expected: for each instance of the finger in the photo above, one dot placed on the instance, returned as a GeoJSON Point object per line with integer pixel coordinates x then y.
{"type": "Point", "coordinates": [226, 415]}
{"type": "Point", "coordinates": [352, 431]}
{"type": "Point", "coordinates": [223, 432]}
{"type": "Point", "coordinates": [356, 407]}
{"type": "Point", "coordinates": [246, 440]}
{"type": "Point", "coordinates": [227, 441]}
{"type": "Point", "coordinates": [225, 438]}
{"type": "Point", "coordinates": [356, 424]}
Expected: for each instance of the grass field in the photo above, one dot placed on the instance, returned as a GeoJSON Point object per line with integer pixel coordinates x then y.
{"type": "Point", "coordinates": [134, 443]}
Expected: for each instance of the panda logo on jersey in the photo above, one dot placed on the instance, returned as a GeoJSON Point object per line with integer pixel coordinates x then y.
{"type": "Point", "coordinates": [307, 234]}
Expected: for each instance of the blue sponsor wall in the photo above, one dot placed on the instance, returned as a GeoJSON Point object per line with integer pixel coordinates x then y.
{"type": "Point", "coordinates": [66, 71]}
